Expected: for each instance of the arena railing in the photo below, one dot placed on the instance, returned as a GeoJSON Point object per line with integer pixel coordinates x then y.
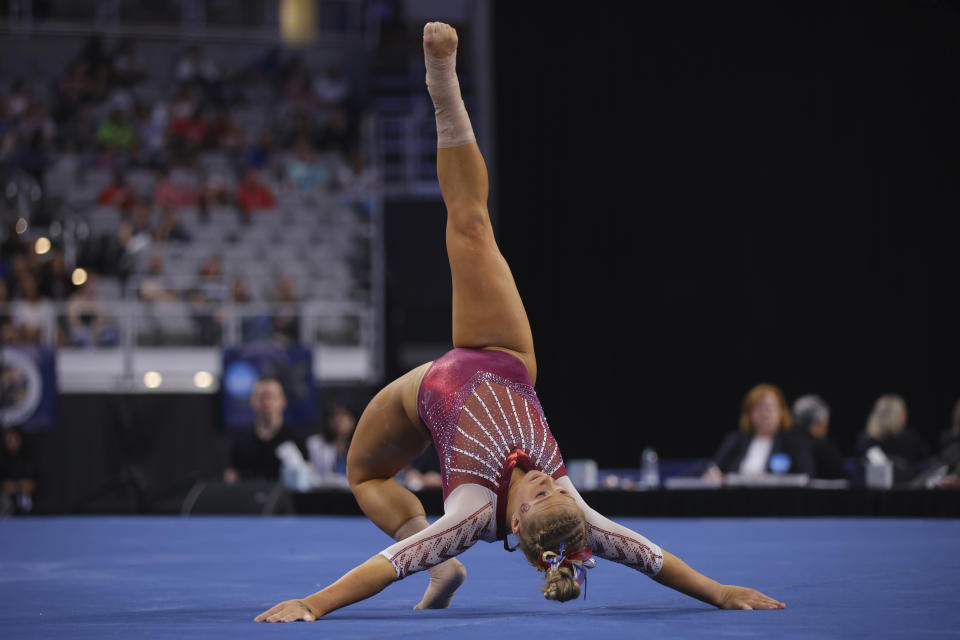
{"type": "Point", "coordinates": [177, 346]}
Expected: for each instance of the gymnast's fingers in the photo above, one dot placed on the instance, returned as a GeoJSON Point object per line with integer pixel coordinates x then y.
{"type": "Point", "coordinates": [287, 611]}
{"type": "Point", "coordinates": [766, 602]}
{"type": "Point", "coordinates": [263, 616]}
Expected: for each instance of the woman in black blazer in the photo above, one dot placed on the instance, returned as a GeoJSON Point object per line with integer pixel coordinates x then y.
{"type": "Point", "coordinates": [763, 444]}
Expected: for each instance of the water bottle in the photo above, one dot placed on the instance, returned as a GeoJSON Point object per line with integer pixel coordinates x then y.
{"type": "Point", "coordinates": [650, 469]}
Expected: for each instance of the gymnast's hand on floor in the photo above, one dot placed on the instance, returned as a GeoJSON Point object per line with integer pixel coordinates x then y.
{"type": "Point", "coordinates": [287, 611]}
{"type": "Point", "coordinates": [734, 597]}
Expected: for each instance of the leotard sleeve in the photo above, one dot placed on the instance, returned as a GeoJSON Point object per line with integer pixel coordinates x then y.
{"type": "Point", "coordinates": [615, 542]}
{"type": "Point", "coordinates": [469, 515]}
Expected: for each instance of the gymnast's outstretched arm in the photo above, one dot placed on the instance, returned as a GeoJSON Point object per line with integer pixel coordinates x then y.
{"type": "Point", "coordinates": [469, 513]}
{"type": "Point", "coordinates": [369, 579]}
{"type": "Point", "coordinates": [618, 543]}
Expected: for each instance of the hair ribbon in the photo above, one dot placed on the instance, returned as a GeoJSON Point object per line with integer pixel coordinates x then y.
{"type": "Point", "coordinates": [577, 561]}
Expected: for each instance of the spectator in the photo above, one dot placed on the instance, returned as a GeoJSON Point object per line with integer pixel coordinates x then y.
{"type": "Point", "coordinates": [887, 429]}
{"type": "Point", "coordinates": [141, 226]}
{"type": "Point", "coordinates": [356, 177]}
{"type": "Point", "coordinates": [286, 317]}
{"type": "Point", "coordinates": [115, 253]}
{"type": "Point", "coordinates": [328, 449]}
{"type": "Point", "coordinates": [219, 184]}
{"type": "Point", "coordinates": [255, 455]}
{"type": "Point", "coordinates": [116, 133]}
{"type": "Point", "coordinates": [88, 319]}
{"type": "Point", "coordinates": [33, 317]}
{"type": "Point", "coordinates": [330, 86]}
{"type": "Point", "coordinates": [253, 195]}
{"type": "Point", "coordinates": [338, 134]}
{"type": "Point", "coordinates": [196, 67]}
{"type": "Point", "coordinates": [18, 469]}
{"type": "Point", "coordinates": [54, 281]}
{"type": "Point", "coordinates": [305, 172]}
{"type": "Point", "coordinates": [763, 444]}
{"type": "Point", "coordinates": [183, 105]}
{"type": "Point", "coordinates": [63, 176]}
{"type": "Point", "coordinates": [80, 130]}
{"type": "Point", "coordinates": [19, 99]}
{"type": "Point", "coordinates": [262, 153]}
{"type": "Point", "coordinates": [155, 287]}
{"type": "Point", "coordinates": [128, 69]}
{"type": "Point", "coordinates": [170, 228]}
{"type": "Point", "coordinates": [255, 326]}
{"type": "Point", "coordinates": [223, 133]}
{"type": "Point", "coordinates": [151, 133]}
{"type": "Point", "coordinates": [205, 299]}
{"type": "Point", "coordinates": [118, 193]}
{"type": "Point", "coordinates": [812, 417]}
{"type": "Point", "coordinates": [175, 190]}
{"type": "Point", "coordinates": [188, 130]}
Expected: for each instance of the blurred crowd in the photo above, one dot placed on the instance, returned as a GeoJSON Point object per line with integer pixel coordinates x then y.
{"type": "Point", "coordinates": [169, 146]}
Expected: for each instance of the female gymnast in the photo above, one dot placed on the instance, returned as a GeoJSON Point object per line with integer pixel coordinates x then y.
{"type": "Point", "coordinates": [502, 471]}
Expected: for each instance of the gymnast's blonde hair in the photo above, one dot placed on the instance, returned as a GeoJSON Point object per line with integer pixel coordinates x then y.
{"type": "Point", "coordinates": [541, 533]}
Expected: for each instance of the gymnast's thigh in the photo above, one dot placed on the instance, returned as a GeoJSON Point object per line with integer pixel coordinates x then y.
{"type": "Point", "coordinates": [389, 434]}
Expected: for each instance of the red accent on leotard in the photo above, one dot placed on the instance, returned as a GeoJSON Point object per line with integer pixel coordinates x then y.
{"type": "Point", "coordinates": [518, 458]}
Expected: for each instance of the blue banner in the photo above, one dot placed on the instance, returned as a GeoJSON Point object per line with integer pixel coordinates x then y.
{"type": "Point", "coordinates": [292, 366]}
{"type": "Point", "coordinates": [28, 387]}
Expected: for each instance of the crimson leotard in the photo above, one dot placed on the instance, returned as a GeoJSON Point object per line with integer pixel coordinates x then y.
{"type": "Point", "coordinates": [484, 416]}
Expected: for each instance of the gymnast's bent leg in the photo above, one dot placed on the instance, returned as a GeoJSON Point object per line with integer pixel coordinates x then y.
{"type": "Point", "coordinates": [389, 436]}
{"type": "Point", "coordinates": [487, 310]}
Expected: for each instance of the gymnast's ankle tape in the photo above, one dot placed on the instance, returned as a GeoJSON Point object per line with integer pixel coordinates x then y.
{"type": "Point", "coordinates": [453, 123]}
{"type": "Point", "coordinates": [410, 527]}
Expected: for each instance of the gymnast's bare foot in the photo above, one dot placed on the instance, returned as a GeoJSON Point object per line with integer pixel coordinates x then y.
{"type": "Point", "coordinates": [439, 39]}
{"type": "Point", "coordinates": [445, 579]}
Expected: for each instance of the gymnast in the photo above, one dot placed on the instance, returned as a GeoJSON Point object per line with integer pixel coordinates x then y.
{"type": "Point", "coordinates": [502, 471]}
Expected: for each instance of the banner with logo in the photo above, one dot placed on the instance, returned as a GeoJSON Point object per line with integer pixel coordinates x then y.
{"type": "Point", "coordinates": [292, 366]}
{"type": "Point", "coordinates": [28, 387]}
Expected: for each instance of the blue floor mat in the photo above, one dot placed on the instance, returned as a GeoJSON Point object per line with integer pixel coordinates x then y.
{"type": "Point", "coordinates": [157, 577]}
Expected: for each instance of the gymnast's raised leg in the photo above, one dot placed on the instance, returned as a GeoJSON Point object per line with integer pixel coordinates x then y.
{"type": "Point", "coordinates": [487, 310]}
{"type": "Point", "coordinates": [487, 313]}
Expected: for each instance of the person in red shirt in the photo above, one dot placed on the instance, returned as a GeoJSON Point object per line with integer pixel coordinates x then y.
{"type": "Point", "coordinates": [253, 195]}
{"type": "Point", "coordinates": [170, 193]}
{"type": "Point", "coordinates": [118, 193]}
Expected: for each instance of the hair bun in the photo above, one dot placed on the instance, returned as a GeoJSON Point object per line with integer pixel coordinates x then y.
{"type": "Point", "coordinates": [560, 585]}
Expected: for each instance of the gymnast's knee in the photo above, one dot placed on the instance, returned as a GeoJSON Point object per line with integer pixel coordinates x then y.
{"type": "Point", "coordinates": [470, 221]}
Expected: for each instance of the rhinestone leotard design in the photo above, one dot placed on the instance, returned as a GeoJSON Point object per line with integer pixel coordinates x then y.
{"type": "Point", "coordinates": [484, 416]}
{"type": "Point", "coordinates": [480, 406]}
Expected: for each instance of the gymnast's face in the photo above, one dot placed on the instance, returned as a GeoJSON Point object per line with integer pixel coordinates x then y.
{"type": "Point", "coordinates": [537, 493]}
{"type": "Point", "coordinates": [765, 416]}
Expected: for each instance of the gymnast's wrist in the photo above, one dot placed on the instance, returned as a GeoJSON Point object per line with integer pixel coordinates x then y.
{"type": "Point", "coordinates": [314, 603]}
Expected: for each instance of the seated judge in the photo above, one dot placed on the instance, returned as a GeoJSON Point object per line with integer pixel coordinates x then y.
{"type": "Point", "coordinates": [811, 415]}
{"type": "Point", "coordinates": [763, 443]}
